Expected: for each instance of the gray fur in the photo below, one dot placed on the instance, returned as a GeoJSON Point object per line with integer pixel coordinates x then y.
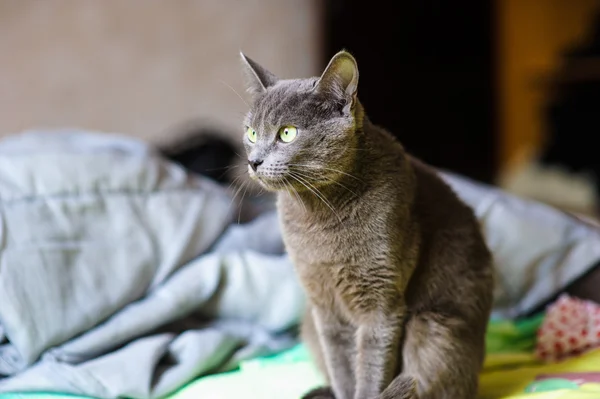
{"type": "Point", "coordinates": [397, 273]}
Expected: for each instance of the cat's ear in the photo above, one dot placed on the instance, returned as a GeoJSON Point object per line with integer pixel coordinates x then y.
{"type": "Point", "coordinates": [259, 79]}
{"type": "Point", "coordinates": [340, 79]}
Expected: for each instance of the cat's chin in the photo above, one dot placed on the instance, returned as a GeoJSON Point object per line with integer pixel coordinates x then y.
{"type": "Point", "coordinates": [272, 188]}
{"type": "Point", "coordinates": [270, 184]}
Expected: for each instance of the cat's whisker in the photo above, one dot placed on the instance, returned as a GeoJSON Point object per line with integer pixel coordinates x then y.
{"type": "Point", "coordinates": [233, 182]}
{"type": "Point", "coordinates": [246, 183]}
{"type": "Point", "coordinates": [236, 192]}
{"type": "Point", "coordinates": [310, 174]}
{"type": "Point", "coordinates": [233, 90]}
{"type": "Point", "coordinates": [223, 174]}
{"type": "Point", "coordinates": [299, 198]}
{"type": "Point", "coordinates": [228, 167]}
{"type": "Point", "coordinates": [316, 192]}
{"type": "Point", "coordinates": [321, 196]}
{"type": "Point", "coordinates": [323, 178]}
{"type": "Point", "coordinates": [295, 192]}
{"type": "Point", "coordinates": [288, 189]}
{"type": "Point", "coordinates": [325, 168]}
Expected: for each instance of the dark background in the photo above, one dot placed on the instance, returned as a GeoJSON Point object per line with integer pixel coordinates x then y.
{"type": "Point", "coordinates": [427, 75]}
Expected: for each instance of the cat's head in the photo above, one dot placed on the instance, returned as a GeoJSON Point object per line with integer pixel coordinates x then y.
{"type": "Point", "coordinates": [301, 132]}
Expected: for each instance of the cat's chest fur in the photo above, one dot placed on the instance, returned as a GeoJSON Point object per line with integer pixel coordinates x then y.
{"type": "Point", "coordinates": [336, 261]}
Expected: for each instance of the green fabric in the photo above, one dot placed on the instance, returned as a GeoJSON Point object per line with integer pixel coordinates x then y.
{"type": "Point", "coordinates": [551, 384]}
{"type": "Point", "coordinates": [290, 374]}
{"type": "Point", "coordinates": [504, 336]}
{"type": "Point", "coordinates": [284, 376]}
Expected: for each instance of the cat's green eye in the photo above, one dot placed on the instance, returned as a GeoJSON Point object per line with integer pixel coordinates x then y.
{"type": "Point", "coordinates": [251, 133]}
{"type": "Point", "coordinates": [288, 133]}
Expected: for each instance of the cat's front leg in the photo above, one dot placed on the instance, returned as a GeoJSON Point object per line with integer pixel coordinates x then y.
{"type": "Point", "coordinates": [378, 340]}
{"type": "Point", "coordinates": [337, 339]}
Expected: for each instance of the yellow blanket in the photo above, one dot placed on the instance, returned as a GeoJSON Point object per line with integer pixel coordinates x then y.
{"type": "Point", "coordinates": [508, 376]}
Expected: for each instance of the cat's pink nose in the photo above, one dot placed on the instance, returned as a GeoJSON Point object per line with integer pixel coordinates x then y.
{"type": "Point", "coordinates": [255, 163]}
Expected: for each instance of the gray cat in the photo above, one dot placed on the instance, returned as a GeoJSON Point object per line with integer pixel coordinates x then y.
{"type": "Point", "coordinates": [397, 273]}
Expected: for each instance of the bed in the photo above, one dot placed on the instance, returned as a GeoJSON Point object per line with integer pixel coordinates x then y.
{"type": "Point", "coordinates": [150, 289]}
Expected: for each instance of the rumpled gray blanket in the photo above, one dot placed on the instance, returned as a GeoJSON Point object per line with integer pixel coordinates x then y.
{"type": "Point", "coordinates": [121, 275]}
{"type": "Point", "coordinates": [102, 289]}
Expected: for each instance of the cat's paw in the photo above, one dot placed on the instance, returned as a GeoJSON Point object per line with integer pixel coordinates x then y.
{"type": "Point", "coordinates": [320, 393]}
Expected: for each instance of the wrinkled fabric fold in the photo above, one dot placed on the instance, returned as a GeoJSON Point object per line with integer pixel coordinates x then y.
{"type": "Point", "coordinates": [115, 266]}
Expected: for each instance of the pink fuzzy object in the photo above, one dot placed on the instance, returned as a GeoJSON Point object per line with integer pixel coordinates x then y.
{"type": "Point", "coordinates": [571, 326]}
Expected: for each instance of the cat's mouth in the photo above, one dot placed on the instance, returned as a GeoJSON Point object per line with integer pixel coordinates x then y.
{"type": "Point", "coordinates": [286, 179]}
{"type": "Point", "coordinates": [269, 180]}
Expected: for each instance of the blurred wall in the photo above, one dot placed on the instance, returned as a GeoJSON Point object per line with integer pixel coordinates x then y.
{"type": "Point", "coordinates": [532, 36]}
{"type": "Point", "coordinates": [142, 67]}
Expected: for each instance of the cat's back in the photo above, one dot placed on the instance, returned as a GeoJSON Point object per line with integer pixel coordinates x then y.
{"type": "Point", "coordinates": [449, 234]}
{"type": "Point", "coordinates": [453, 251]}
{"type": "Point", "coordinates": [436, 203]}
{"type": "Point", "coordinates": [440, 230]}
